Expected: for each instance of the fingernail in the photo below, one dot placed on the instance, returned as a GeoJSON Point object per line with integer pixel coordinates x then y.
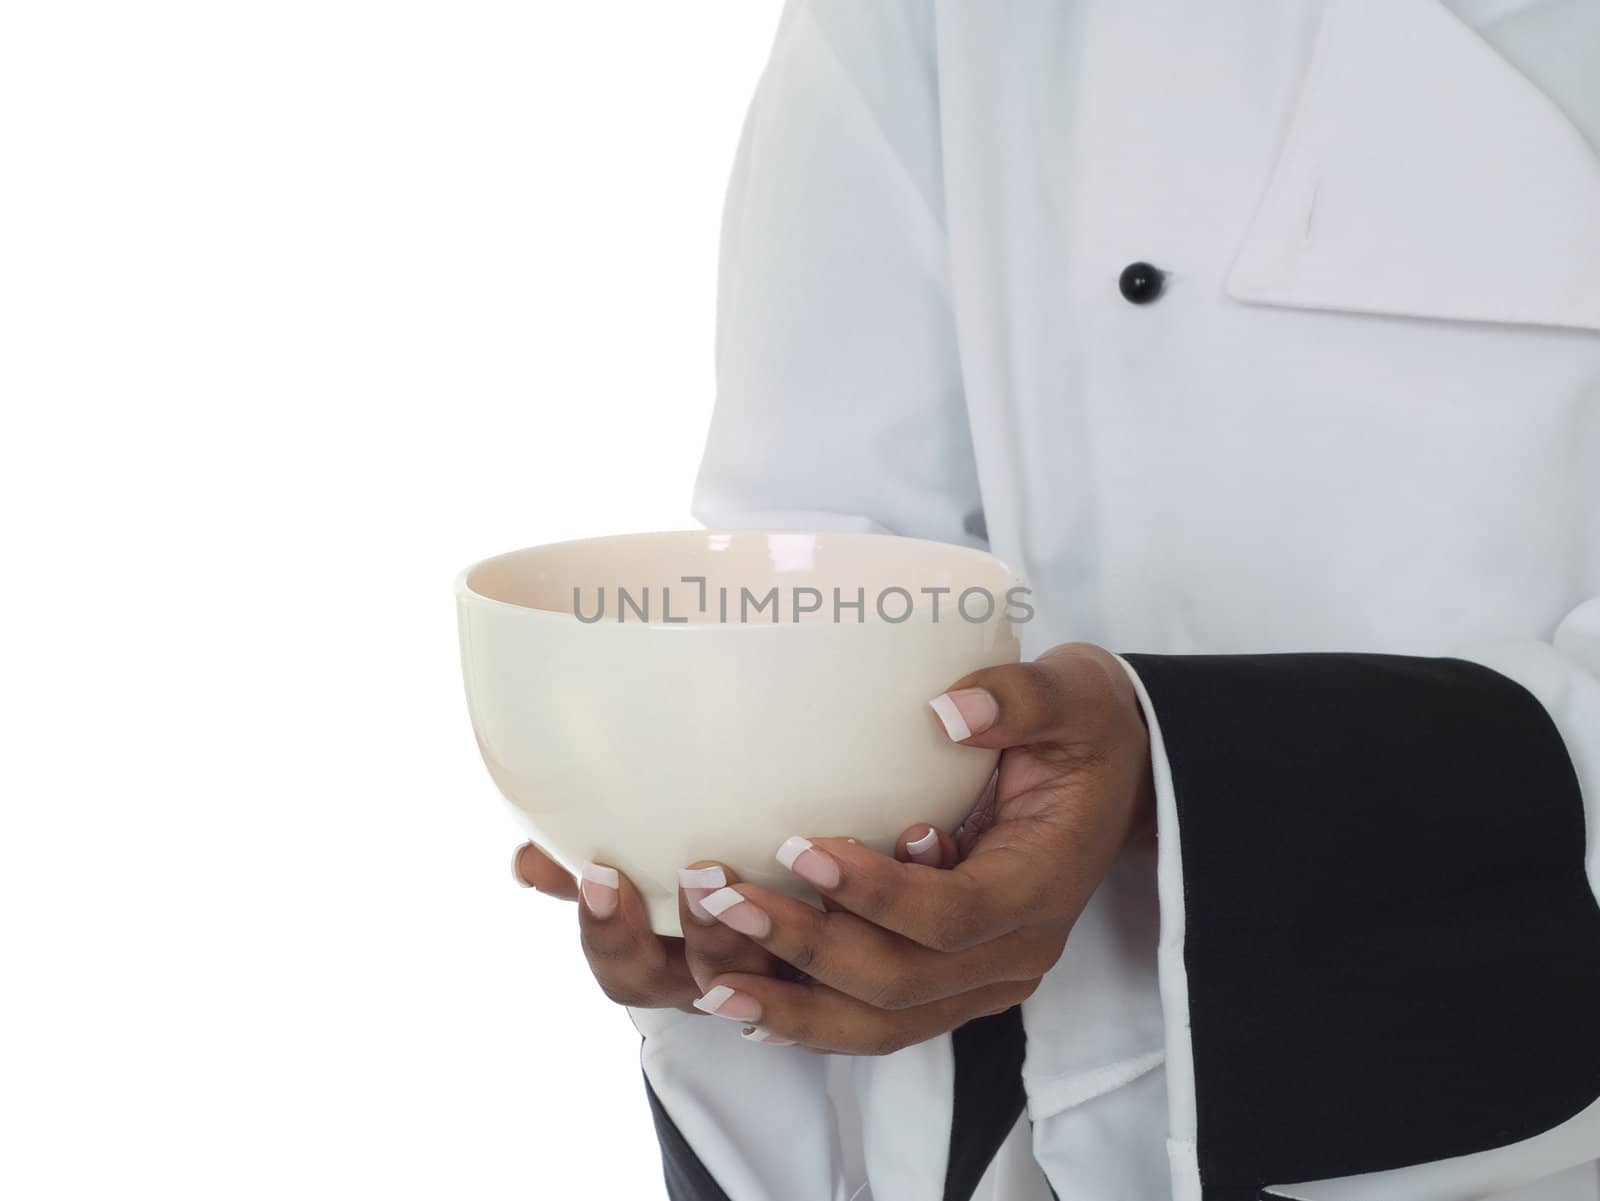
{"type": "Point", "coordinates": [725, 1003]}
{"type": "Point", "coordinates": [965, 713]}
{"type": "Point", "coordinates": [757, 1034]}
{"type": "Point", "coordinates": [730, 907]}
{"type": "Point", "coordinates": [698, 883]}
{"type": "Point", "coordinates": [811, 865]}
{"type": "Point", "coordinates": [599, 888]}
{"type": "Point", "coordinates": [516, 872]}
{"type": "Point", "coordinates": [926, 850]}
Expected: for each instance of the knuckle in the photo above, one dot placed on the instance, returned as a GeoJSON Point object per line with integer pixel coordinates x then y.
{"type": "Point", "coordinates": [622, 993]}
{"type": "Point", "coordinates": [1046, 898]}
{"type": "Point", "coordinates": [716, 960]}
{"type": "Point", "coordinates": [981, 971]}
{"type": "Point", "coordinates": [607, 953]}
{"type": "Point", "coordinates": [1009, 996]}
{"type": "Point", "coordinates": [897, 989]}
{"type": "Point", "coordinates": [886, 1042]}
{"type": "Point", "coordinates": [875, 898]}
{"type": "Point", "coordinates": [951, 926]}
{"type": "Point", "coordinates": [1052, 944]}
{"type": "Point", "coordinates": [1023, 990]}
{"type": "Point", "coordinates": [1044, 686]}
{"type": "Point", "coordinates": [798, 1028]}
{"type": "Point", "coordinates": [813, 947]}
{"type": "Point", "coordinates": [1039, 960]}
{"type": "Point", "coordinates": [804, 955]}
{"type": "Point", "coordinates": [1040, 673]}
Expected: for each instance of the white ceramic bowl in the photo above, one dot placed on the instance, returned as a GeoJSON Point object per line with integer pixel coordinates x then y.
{"type": "Point", "coordinates": [648, 742]}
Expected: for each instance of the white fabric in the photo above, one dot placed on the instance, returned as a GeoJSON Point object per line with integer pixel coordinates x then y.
{"type": "Point", "coordinates": [1182, 1123]}
{"type": "Point", "coordinates": [1352, 207]}
{"type": "Point", "coordinates": [760, 1118]}
{"type": "Point", "coordinates": [1485, 1174]}
{"type": "Point", "coordinates": [906, 1127]}
{"type": "Point", "coordinates": [1365, 415]}
{"type": "Point", "coordinates": [1113, 1147]}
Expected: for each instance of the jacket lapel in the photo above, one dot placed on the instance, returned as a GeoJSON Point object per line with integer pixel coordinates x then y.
{"type": "Point", "coordinates": [1424, 176]}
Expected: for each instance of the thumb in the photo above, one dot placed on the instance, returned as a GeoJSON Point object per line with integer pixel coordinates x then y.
{"type": "Point", "coordinates": [1021, 703]}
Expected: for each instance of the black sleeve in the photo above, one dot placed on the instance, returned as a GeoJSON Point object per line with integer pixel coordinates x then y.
{"type": "Point", "coordinates": [1391, 947]}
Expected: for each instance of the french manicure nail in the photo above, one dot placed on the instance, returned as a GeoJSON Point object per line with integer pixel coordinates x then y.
{"type": "Point", "coordinates": [757, 1034]}
{"type": "Point", "coordinates": [811, 865]}
{"type": "Point", "coordinates": [926, 850]}
{"type": "Point", "coordinates": [966, 712]}
{"type": "Point", "coordinates": [516, 872]}
{"type": "Point", "coordinates": [697, 884]}
{"type": "Point", "coordinates": [733, 910]}
{"type": "Point", "coordinates": [599, 888]}
{"type": "Point", "coordinates": [723, 1002]}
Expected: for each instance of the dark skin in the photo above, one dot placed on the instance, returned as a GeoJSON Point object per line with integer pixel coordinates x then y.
{"type": "Point", "coordinates": [912, 946]}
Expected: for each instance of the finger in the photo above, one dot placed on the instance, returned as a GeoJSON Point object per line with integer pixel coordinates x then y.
{"type": "Point", "coordinates": [872, 965]}
{"type": "Point", "coordinates": [534, 869]}
{"type": "Point", "coordinates": [1019, 704]}
{"type": "Point", "coordinates": [710, 947]}
{"type": "Point", "coordinates": [983, 897]}
{"type": "Point", "coordinates": [823, 1019]}
{"type": "Point", "coordinates": [632, 963]}
{"type": "Point", "coordinates": [927, 845]}
{"type": "Point", "coordinates": [977, 822]}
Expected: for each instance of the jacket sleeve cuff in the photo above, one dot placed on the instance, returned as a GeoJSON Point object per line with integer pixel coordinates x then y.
{"type": "Point", "coordinates": [1379, 946]}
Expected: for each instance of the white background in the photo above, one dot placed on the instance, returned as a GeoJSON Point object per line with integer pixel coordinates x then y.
{"type": "Point", "coordinates": [304, 306]}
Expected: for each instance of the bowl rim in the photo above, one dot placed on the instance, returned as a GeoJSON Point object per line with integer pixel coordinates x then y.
{"type": "Point", "coordinates": [466, 594]}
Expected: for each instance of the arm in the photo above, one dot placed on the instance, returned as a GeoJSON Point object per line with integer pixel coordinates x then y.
{"type": "Point", "coordinates": [839, 401]}
{"type": "Point", "coordinates": [1380, 949]}
{"type": "Point", "coordinates": [839, 406]}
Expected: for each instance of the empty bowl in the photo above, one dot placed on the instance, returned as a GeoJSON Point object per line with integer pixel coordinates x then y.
{"type": "Point", "coordinates": [651, 700]}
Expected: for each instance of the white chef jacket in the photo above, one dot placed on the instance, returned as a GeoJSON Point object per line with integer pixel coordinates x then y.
{"type": "Point", "coordinates": [1361, 415]}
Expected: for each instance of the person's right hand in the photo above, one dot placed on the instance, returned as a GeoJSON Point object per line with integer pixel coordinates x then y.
{"type": "Point", "coordinates": [635, 966]}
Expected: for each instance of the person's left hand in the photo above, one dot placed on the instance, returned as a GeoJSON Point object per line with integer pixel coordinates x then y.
{"type": "Point", "coordinates": [905, 951]}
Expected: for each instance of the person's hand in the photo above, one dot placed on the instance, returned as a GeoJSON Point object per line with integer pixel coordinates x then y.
{"type": "Point", "coordinates": [635, 966]}
{"type": "Point", "coordinates": [904, 952]}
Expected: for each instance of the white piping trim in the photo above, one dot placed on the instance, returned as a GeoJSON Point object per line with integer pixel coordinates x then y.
{"type": "Point", "coordinates": [1173, 976]}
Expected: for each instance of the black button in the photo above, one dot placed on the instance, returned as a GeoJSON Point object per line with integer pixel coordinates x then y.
{"type": "Point", "coordinates": [1140, 283]}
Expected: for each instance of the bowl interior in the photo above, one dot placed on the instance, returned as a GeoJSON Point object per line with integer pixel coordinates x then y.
{"type": "Point", "coordinates": [703, 577]}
